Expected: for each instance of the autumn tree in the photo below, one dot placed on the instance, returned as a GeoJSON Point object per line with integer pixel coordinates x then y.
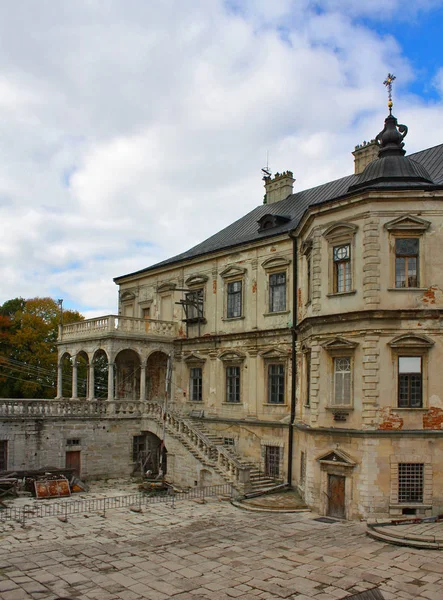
{"type": "Point", "coordinates": [28, 351]}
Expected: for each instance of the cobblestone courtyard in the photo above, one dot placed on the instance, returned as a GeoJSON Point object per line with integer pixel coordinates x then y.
{"type": "Point", "coordinates": [206, 551]}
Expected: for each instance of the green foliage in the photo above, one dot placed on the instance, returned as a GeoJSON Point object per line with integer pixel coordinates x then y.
{"type": "Point", "coordinates": [28, 351]}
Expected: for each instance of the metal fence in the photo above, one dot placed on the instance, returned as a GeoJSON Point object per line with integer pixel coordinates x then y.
{"type": "Point", "coordinates": [49, 508]}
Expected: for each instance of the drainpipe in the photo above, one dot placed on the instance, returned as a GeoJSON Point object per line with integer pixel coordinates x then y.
{"type": "Point", "coordinates": [293, 354]}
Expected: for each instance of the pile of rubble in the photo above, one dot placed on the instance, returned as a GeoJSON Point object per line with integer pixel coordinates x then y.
{"type": "Point", "coordinates": [42, 483]}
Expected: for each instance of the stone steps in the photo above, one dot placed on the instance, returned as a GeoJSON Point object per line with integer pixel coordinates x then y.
{"type": "Point", "coordinates": [399, 540]}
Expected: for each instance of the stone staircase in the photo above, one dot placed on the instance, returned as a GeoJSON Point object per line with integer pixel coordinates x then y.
{"type": "Point", "coordinates": [258, 480]}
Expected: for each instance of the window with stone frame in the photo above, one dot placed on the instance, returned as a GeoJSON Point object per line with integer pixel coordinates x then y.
{"type": "Point", "coordinates": [277, 292]}
{"type": "Point", "coordinates": [410, 483]}
{"type": "Point", "coordinates": [234, 299]}
{"type": "Point", "coordinates": [341, 243]}
{"type": "Point", "coordinates": [3, 455]}
{"type": "Point", "coordinates": [233, 384]}
{"type": "Point", "coordinates": [307, 356]}
{"type": "Point", "coordinates": [407, 262]}
{"type": "Point", "coordinates": [410, 357]}
{"type": "Point", "coordinates": [196, 384]}
{"type": "Point", "coordinates": [308, 277]}
{"type": "Point", "coordinates": [342, 268]}
{"type": "Point", "coordinates": [276, 383]}
{"type": "Point", "coordinates": [410, 382]}
{"type": "Point", "coordinates": [342, 393]}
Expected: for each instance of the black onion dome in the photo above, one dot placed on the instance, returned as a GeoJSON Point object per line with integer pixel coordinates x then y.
{"type": "Point", "coordinates": [393, 168]}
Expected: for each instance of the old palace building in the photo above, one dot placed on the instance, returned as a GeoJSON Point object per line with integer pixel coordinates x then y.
{"type": "Point", "coordinates": [303, 341]}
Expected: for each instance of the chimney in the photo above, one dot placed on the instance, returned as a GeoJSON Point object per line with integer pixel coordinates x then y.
{"type": "Point", "coordinates": [278, 188]}
{"type": "Point", "coordinates": [364, 154]}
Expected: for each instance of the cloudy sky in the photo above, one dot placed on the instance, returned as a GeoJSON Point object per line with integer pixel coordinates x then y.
{"type": "Point", "coordinates": [131, 130]}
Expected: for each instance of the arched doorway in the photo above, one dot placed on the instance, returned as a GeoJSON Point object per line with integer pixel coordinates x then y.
{"type": "Point", "coordinates": [156, 370]}
{"type": "Point", "coordinates": [149, 455]}
{"type": "Point", "coordinates": [127, 364]}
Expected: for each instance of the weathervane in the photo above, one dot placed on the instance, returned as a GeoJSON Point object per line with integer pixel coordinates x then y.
{"type": "Point", "coordinates": [388, 83]}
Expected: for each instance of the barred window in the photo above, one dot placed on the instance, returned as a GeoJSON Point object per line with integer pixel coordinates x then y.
{"type": "Point", "coordinates": [277, 292]}
{"type": "Point", "coordinates": [342, 381]}
{"type": "Point", "coordinates": [234, 300]}
{"type": "Point", "coordinates": [276, 384]}
{"type": "Point", "coordinates": [195, 384]}
{"type": "Point", "coordinates": [410, 382]}
{"type": "Point", "coordinates": [73, 442]}
{"type": "Point", "coordinates": [406, 262]}
{"type": "Point", "coordinates": [233, 384]}
{"type": "Point", "coordinates": [410, 482]}
{"type": "Point", "coordinates": [342, 268]}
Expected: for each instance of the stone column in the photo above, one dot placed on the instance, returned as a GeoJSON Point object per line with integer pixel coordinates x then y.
{"type": "Point", "coordinates": [142, 383]}
{"type": "Point", "coordinates": [110, 381]}
{"type": "Point", "coordinates": [74, 380]}
{"type": "Point", "coordinates": [91, 382]}
{"type": "Point", "coordinates": [59, 380]}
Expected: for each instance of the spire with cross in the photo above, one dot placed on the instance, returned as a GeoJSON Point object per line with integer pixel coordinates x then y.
{"type": "Point", "coordinates": [388, 83]}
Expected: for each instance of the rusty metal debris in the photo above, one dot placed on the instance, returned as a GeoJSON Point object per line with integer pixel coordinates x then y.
{"type": "Point", "coordinates": [48, 482]}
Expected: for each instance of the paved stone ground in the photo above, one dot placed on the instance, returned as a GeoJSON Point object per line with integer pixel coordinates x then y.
{"type": "Point", "coordinates": [207, 551]}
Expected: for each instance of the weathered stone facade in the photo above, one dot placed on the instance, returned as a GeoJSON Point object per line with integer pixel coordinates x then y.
{"type": "Point", "coordinates": [319, 303]}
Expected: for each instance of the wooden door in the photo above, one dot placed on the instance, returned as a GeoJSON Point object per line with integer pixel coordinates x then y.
{"type": "Point", "coordinates": [336, 496]}
{"type": "Point", "coordinates": [73, 461]}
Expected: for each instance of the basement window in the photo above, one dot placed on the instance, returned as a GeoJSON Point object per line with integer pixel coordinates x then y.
{"type": "Point", "coordinates": [410, 482]}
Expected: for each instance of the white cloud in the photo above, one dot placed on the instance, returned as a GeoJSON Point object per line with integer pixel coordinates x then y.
{"type": "Point", "coordinates": [131, 131]}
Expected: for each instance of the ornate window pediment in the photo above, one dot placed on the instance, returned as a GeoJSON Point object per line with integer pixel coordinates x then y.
{"type": "Point", "coordinates": [270, 221]}
{"type": "Point", "coordinates": [232, 356]}
{"type": "Point", "coordinates": [275, 262]}
{"type": "Point", "coordinates": [274, 353]}
{"type": "Point", "coordinates": [340, 230]}
{"type": "Point", "coordinates": [232, 271]}
{"type": "Point", "coordinates": [166, 287]}
{"type": "Point", "coordinates": [195, 280]}
{"type": "Point", "coordinates": [127, 296]}
{"type": "Point", "coordinates": [411, 340]}
{"type": "Point", "coordinates": [336, 457]}
{"type": "Point", "coordinates": [194, 359]}
{"type": "Point", "coordinates": [408, 223]}
{"type": "Point", "coordinates": [339, 343]}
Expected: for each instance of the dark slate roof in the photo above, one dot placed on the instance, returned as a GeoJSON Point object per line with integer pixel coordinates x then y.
{"type": "Point", "coordinates": [245, 229]}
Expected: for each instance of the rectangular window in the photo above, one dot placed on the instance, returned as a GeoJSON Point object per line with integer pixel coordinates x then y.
{"type": "Point", "coordinates": [406, 262]}
{"type": "Point", "coordinates": [3, 455]}
{"type": "Point", "coordinates": [342, 381]}
{"type": "Point", "coordinates": [410, 389]}
{"type": "Point", "coordinates": [276, 384]}
{"type": "Point", "coordinates": [234, 300]}
{"type": "Point", "coordinates": [309, 277]}
{"type": "Point", "coordinates": [233, 384]}
{"type": "Point", "coordinates": [138, 447]}
{"type": "Point", "coordinates": [410, 482]}
{"type": "Point", "coordinates": [228, 442]}
{"type": "Point", "coordinates": [342, 268]}
{"type": "Point", "coordinates": [195, 384]}
{"type": "Point", "coordinates": [277, 292]}
{"type": "Point", "coordinates": [194, 305]}
{"type": "Point", "coordinates": [73, 442]}
{"type": "Point", "coordinates": [308, 378]}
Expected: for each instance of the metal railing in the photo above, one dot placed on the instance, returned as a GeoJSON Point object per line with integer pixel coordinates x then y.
{"type": "Point", "coordinates": [49, 508]}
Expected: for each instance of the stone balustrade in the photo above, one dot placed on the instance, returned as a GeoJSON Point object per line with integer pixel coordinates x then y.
{"type": "Point", "coordinates": [175, 423]}
{"type": "Point", "coordinates": [114, 325]}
